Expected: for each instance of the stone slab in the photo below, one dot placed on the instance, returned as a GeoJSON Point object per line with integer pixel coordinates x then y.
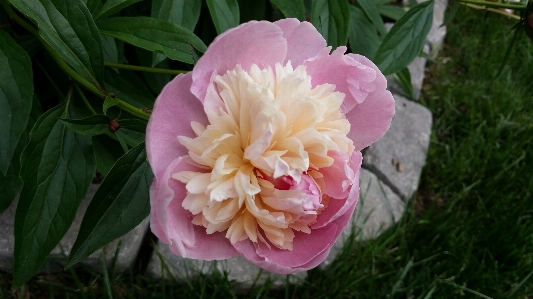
{"type": "Point", "coordinates": [243, 275]}
{"type": "Point", "coordinates": [398, 158]}
{"type": "Point", "coordinates": [377, 209]}
{"type": "Point", "coordinates": [125, 248]}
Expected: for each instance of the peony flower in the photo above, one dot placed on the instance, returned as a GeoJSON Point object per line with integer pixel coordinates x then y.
{"type": "Point", "coordinates": [256, 152]}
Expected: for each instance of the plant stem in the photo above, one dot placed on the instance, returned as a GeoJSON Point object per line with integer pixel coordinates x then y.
{"type": "Point", "coordinates": [501, 12]}
{"type": "Point", "coordinates": [143, 68]}
{"type": "Point", "coordinates": [495, 4]}
{"type": "Point", "coordinates": [67, 69]}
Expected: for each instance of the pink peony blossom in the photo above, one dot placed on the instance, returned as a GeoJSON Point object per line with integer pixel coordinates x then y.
{"type": "Point", "coordinates": [256, 152]}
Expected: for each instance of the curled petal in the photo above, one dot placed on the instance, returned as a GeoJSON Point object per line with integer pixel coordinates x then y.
{"type": "Point", "coordinates": [351, 75]}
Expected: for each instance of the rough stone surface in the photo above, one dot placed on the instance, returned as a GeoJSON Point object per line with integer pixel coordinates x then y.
{"type": "Point", "coordinates": [398, 158]}
{"type": "Point", "coordinates": [126, 247]}
{"type": "Point", "coordinates": [164, 264]}
{"type": "Point", "coordinates": [377, 209]}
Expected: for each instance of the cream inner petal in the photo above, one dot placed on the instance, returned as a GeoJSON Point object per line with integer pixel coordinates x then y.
{"type": "Point", "coordinates": [262, 151]}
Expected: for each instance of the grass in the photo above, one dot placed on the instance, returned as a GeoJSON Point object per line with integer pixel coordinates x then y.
{"type": "Point", "coordinates": [468, 233]}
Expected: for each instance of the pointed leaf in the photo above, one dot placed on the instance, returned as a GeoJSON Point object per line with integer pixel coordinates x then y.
{"type": "Point", "coordinates": [16, 93]}
{"type": "Point", "coordinates": [68, 27]}
{"type": "Point", "coordinates": [225, 14]}
{"type": "Point", "coordinates": [153, 35]}
{"type": "Point", "coordinates": [291, 8]}
{"type": "Point", "coordinates": [184, 13]}
{"type": "Point", "coordinates": [90, 126]}
{"type": "Point", "coordinates": [391, 11]}
{"type": "Point", "coordinates": [132, 131]}
{"type": "Point", "coordinates": [119, 205]}
{"type": "Point", "coordinates": [363, 36]}
{"type": "Point", "coordinates": [371, 11]}
{"type": "Point", "coordinates": [58, 166]}
{"type": "Point", "coordinates": [112, 6]}
{"type": "Point", "coordinates": [405, 39]}
{"type": "Point", "coordinates": [332, 19]}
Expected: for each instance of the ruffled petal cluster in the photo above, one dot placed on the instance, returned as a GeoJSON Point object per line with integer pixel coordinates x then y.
{"type": "Point", "coordinates": [256, 152]}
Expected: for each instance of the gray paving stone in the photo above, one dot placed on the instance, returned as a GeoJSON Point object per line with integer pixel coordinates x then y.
{"type": "Point", "coordinates": [378, 208]}
{"type": "Point", "coordinates": [243, 275]}
{"type": "Point", "coordinates": [398, 158]}
{"type": "Point", "coordinates": [124, 248]}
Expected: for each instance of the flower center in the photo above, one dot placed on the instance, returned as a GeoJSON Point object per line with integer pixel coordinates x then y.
{"type": "Point", "coordinates": [268, 137]}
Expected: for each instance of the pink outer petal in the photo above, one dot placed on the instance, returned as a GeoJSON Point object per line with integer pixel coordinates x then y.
{"type": "Point", "coordinates": [338, 207]}
{"type": "Point", "coordinates": [371, 119]}
{"type": "Point", "coordinates": [303, 40]}
{"type": "Point", "coordinates": [352, 75]}
{"type": "Point", "coordinates": [173, 111]}
{"type": "Point", "coordinates": [259, 43]}
{"type": "Point", "coordinates": [172, 224]}
{"type": "Point", "coordinates": [308, 250]}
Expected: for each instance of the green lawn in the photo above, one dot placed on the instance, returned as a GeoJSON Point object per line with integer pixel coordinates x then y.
{"type": "Point", "coordinates": [469, 231]}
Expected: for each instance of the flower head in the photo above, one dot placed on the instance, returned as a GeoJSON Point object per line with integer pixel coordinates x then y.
{"type": "Point", "coordinates": [256, 152]}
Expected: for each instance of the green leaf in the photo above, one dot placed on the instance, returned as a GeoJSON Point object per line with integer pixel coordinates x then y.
{"type": "Point", "coordinates": [332, 19]}
{"type": "Point", "coordinates": [132, 131]}
{"type": "Point", "coordinates": [93, 5]}
{"type": "Point", "coordinates": [109, 102]}
{"type": "Point", "coordinates": [184, 13]}
{"type": "Point", "coordinates": [109, 46]}
{"type": "Point", "coordinates": [391, 11]}
{"type": "Point", "coordinates": [371, 10]}
{"type": "Point", "coordinates": [112, 6]}
{"type": "Point", "coordinates": [68, 27]}
{"type": "Point", "coordinates": [153, 35]}
{"type": "Point", "coordinates": [225, 14]}
{"type": "Point", "coordinates": [291, 8]}
{"type": "Point", "coordinates": [90, 126]}
{"type": "Point", "coordinates": [16, 93]}
{"type": "Point", "coordinates": [58, 166]}
{"type": "Point", "coordinates": [403, 78]}
{"type": "Point", "coordinates": [107, 151]}
{"type": "Point", "coordinates": [405, 39]}
{"type": "Point", "coordinates": [363, 36]}
{"type": "Point", "coordinates": [129, 88]}
{"type": "Point", "coordinates": [10, 184]}
{"type": "Point", "coordinates": [119, 205]}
